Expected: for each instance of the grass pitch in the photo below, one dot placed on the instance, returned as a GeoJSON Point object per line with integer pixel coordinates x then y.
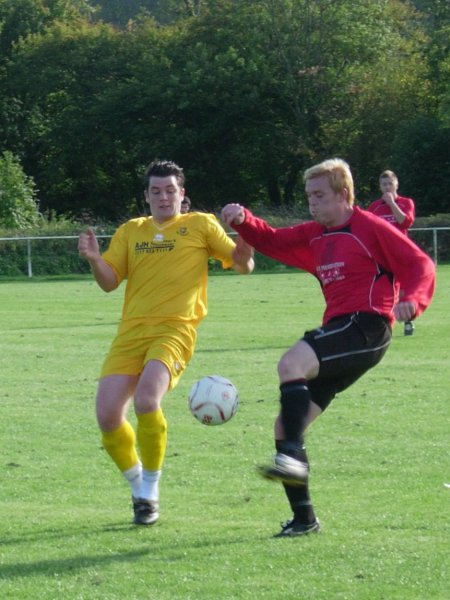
{"type": "Point", "coordinates": [379, 459]}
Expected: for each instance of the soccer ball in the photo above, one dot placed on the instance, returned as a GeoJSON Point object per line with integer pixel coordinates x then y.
{"type": "Point", "coordinates": [213, 400]}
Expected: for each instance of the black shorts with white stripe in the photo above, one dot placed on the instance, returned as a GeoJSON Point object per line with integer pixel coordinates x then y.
{"type": "Point", "coordinates": [346, 347]}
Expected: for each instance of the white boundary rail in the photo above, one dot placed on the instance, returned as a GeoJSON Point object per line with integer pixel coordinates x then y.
{"type": "Point", "coordinates": [28, 241]}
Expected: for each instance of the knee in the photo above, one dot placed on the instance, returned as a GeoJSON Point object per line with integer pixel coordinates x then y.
{"type": "Point", "coordinates": [112, 400]}
{"type": "Point", "coordinates": [108, 420]}
{"type": "Point", "coordinates": [152, 387]}
{"type": "Point", "coordinates": [146, 401]}
{"type": "Point", "coordinates": [299, 362]}
{"type": "Point", "coordinates": [290, 367]}
{"type": "Point", "coordinates": [110, 416]}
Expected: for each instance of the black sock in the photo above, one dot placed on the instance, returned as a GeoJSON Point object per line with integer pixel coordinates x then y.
{"type": "Point", "coordinates": [300, 502]}
{"type": "Point", "coordinates": [295, 402]}
{"type": "Point", "coordinates": [298, 496]}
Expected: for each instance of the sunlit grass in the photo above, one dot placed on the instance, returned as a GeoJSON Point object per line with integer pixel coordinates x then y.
{"type": "Point", "coordinates": [379, 459]}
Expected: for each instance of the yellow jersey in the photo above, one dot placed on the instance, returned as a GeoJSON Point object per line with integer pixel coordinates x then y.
{"type": "Point", "coordinates": [167, 265]}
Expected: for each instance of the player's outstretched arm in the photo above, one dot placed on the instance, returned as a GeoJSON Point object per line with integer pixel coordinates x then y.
{"type": "Point", "coordinates": [88, 248]}
{"type": "Point", "coordinates": [233, 214]}
{"type": "Point", "coordinates": [243, 257]}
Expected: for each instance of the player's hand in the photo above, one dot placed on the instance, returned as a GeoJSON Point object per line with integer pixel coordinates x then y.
{"type": "Point", "coordinates": [233, 214]}
{"type": "Point", "coordinates": [404, 311]}
{"type": "Point", "coordinates": [389, 198]}
{"type": "Point", "coordinates": [88, 245]}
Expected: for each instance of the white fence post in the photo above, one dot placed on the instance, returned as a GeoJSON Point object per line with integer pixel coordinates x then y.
{"type": "Point", "coordinates": [435, 251]}
{"type": "Point", "coordinates": [30, 266]}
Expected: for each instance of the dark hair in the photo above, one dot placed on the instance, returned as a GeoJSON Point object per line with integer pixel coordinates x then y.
{"type": "Point", "coordinates": [163, 168]}
{"type": "Point", "coordinates": [186, 200]}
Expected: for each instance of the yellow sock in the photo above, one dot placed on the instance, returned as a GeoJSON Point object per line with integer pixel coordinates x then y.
{"type": "Point", "coordinates": [152, 439]}
{"type": "Point", "coordinates": [120, 444]}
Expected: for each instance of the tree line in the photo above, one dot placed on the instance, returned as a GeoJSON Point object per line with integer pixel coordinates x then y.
{"type": "Point", "coordinates": [244, 94]}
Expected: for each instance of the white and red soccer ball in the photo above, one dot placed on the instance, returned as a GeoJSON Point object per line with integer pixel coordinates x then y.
{"type": "Point", "coordinates": [213, 400]}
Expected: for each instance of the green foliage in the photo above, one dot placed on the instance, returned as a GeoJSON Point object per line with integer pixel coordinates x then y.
{"type": "Point", "coordinates": [20, 18]}
{"type": "Point", "coordinates": [18, 205]}
{"type": "Point", "coordinates": [59, 256]}
{"type": "Point", "coordinates": [122, 12]}
{"type": "Point", "coordinates": [444, 108]}
{"type": "Point", "coordinates": [51, 247]}
{"type": "Point", "coordinates": [244, 95]}
{"type": "Point", "coordinates": [66, 82]}
{"type": "Point", "coordinates": [435, 243]}
{"type": "Point", "coordinates": [420, 157]}
{"type": "Point", "coordinates": [40, 257]}
{"type": "Point", "coordinates": [439, 220]}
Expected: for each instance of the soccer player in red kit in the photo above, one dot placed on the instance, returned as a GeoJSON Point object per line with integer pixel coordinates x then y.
{"type": "Point", "coordinates": [397, 210]}
{"type": "Point", "coordinates": [361, 263]}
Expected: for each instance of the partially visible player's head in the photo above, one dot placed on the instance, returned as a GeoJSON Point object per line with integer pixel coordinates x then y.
{"type": "Point", "coordinates": [185, 205]}
{"type": "Point", "coordinates": [388, 182]}
{"type": "Point", "coordinates": [338, 173]}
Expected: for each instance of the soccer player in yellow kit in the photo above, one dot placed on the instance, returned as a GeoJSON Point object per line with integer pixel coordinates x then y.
{"type": "Point", "coordinates": [165, 261]}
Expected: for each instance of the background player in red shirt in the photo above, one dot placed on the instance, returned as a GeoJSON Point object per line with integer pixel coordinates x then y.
{"type": "Point", "coordinates": [397, 210]}
{"type": "Point", "coordinates": [361, 262]}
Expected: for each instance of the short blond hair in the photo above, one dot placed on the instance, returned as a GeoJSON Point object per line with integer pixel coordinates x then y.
{"type": "Point", "coordinates": [338, 173]}
{"type": "Point", "coordinates": [388, 174]}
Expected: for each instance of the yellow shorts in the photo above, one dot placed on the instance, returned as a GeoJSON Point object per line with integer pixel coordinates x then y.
{"type": "Point", "coordinates": [138, 342]}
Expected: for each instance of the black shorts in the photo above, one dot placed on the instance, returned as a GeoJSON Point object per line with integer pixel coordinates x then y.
{"type": "Point", "coordinates": [346, 347]}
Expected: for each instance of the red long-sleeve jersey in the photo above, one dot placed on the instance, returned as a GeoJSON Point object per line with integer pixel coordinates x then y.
{"type": "Point", "coordinates": [361, 265]}
{"type": "Point", "coordinates": [384, 211]}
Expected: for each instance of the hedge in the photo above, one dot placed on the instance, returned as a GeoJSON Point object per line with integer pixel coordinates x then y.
{"type": "Point", "coordinates": [60, 256]}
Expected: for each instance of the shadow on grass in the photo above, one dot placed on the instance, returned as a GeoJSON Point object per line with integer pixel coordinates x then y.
{"type": "Point", "coordinates": [170, 551]}
{"type": "Point", "coordinates": [58, 566]}
{"type": "Point", "coordinates": [40, 535]}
